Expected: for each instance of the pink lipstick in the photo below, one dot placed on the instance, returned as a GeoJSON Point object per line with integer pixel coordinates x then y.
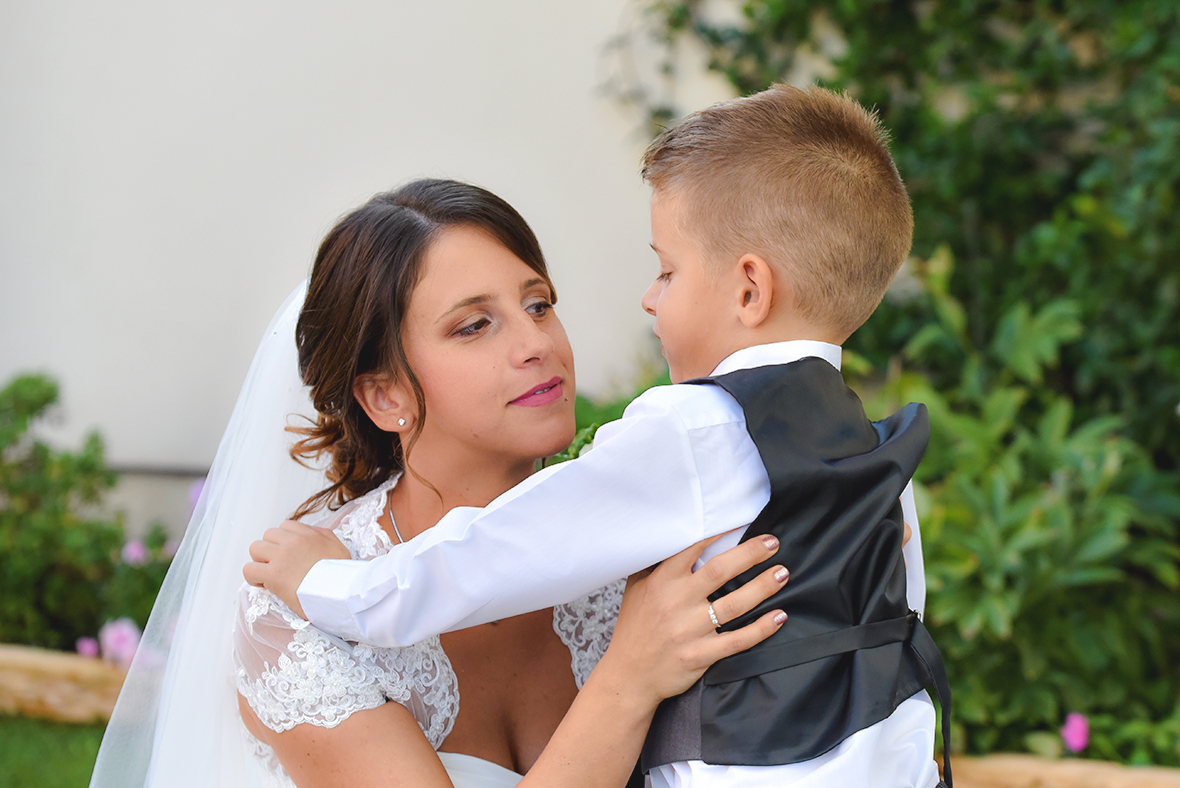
{"type": "Point", "coordinates": [541, 395]}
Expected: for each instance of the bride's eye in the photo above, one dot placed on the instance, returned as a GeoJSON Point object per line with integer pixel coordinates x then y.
{"type": "Point", "coordinates": [538, 308]}
{"type": "Point", "coordinates": [473, 328]}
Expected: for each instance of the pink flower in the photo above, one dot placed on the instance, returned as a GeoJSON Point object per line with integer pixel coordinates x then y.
{"type": "Point", "coordinates": [87, 647]}
{"type": "Point", "coordinates": [1076, 732]}
{"type": "Point", "coordinates": [135, 553]}
{"type": "Point", "coordinates": [118, 640]}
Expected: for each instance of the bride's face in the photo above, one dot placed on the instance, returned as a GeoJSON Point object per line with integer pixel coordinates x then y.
{"type": "Point", "coordinates": [492, 358]}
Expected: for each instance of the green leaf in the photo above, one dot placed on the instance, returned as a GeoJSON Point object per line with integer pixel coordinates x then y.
{"type": "Point", "coordinates": [1001, 407]}
{"type": "Point", "coordinates": [1102, 545]}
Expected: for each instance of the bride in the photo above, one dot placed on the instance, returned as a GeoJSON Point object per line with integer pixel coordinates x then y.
{"type": "Point", "coordinates": [438, 373]}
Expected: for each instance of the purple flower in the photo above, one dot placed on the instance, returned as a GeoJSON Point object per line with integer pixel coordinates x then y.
{"type": "Point", "coordinates": [1076, 732]}
{"type": "Point", "coordinates": [87, 647]}
{"type": "Point", "coordinates": [194, 494]}
{"type": "Point", "coordinates": [118, 640]}
{"type": "Point", "coordinates": [135, 553]}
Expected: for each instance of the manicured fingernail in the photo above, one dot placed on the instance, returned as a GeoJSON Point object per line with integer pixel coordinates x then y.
{"type": "Point", "coordinates": [770, 542]}
{"type": "Point", "coordinates": [779, 619]}
{"type": "Point", "coordinates": [782, 575]}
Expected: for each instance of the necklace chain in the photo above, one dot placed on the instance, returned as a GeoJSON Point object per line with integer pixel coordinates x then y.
{"type": "Point", "coordinates": [393, 522]}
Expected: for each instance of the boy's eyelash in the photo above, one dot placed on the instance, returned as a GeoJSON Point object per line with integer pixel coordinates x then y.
{"type": "Point", "coordinates": [664, 276]}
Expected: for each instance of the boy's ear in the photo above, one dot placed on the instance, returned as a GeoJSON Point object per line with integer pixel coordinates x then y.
{"type": "Point", "coordinates": [388, 403]}
{"type": "Point", "coordinates": [755, 290]}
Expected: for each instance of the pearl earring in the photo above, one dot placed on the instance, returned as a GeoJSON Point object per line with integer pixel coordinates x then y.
{"type": "Point", "coordinates": [401, 422]}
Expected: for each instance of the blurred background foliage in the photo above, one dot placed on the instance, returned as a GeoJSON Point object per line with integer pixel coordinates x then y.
{"type": "Point", "coordinates": [1039, 319]}
{"type": "Point", "coordinates": [64, 566]}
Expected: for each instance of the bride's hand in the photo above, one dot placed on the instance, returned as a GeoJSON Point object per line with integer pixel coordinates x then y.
{"type": "Point", "coordinates": [665, 639]}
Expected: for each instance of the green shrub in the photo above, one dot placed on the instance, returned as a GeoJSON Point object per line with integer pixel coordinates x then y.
{"type": "Point", "coordinates": [1051, 545]}
{"type": "Point", "coordinates": [61, 570]}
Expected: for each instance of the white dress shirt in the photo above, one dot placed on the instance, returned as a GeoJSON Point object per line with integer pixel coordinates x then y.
{"type": "Point", "coordinates": [679, 466]}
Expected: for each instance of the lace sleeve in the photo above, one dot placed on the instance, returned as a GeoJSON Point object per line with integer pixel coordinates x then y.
{"type": "Point", "coordinates": [585, 626]}
{"type": "Point", "coordinates": [292, 673]}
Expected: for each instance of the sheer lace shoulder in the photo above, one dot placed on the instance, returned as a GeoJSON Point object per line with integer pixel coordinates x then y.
{"type": "Point", "coordinates": [292, 673]}
{"type": "Point", "coordinates": [356, 523]}
{"type": "Point", "coordinates": [585, 626]}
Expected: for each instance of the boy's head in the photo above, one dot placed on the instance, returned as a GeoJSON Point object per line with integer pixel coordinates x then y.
{"type": "Point", "coordinates": [798, 178]}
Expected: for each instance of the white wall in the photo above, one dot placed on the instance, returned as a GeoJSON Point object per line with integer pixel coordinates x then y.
{"type": "Point", "coordinates": [167, 170]}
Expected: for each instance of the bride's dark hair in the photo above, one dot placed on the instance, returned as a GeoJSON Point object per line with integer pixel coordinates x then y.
{"type": "Point", "coordinates": [364, 275]}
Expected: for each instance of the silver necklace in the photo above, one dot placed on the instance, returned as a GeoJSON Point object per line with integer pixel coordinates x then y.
{"type": "Point", "coordinates": [393, 522]}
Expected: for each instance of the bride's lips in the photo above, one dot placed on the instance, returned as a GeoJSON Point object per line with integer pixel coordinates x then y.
{"type": "Point", "coordinates": [541, 395]}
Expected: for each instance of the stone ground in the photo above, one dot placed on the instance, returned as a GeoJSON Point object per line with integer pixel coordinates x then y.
{"type": "Point", "coordinates": [1030, 771]}
{"type": "Point", "coordinates": [55, 685]}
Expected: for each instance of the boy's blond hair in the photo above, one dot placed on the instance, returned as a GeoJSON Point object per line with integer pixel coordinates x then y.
{"type": "Point", "coordinates": [802, 177]}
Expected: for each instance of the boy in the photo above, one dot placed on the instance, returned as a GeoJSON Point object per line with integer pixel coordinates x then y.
{"type": "Point", "coordinates": [779, 221]}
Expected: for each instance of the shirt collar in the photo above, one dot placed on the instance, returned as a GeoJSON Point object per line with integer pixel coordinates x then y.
{"type": "Point", "coordinates": [779, 353]}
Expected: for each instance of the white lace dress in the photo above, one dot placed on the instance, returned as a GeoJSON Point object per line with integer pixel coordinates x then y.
{"type": "Point", "coordinates": [292, 673]}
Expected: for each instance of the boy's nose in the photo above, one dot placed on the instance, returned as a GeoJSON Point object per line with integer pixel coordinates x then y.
{"type": "Point", "coordinates": [648, 302]}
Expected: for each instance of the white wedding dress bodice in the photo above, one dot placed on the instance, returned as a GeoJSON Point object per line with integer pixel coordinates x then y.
{"type": "Point", "coordinates": [292, 673]}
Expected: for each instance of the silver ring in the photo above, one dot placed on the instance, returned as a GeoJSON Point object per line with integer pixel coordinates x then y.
{"type": "Point", "coordinates": [713, 617]}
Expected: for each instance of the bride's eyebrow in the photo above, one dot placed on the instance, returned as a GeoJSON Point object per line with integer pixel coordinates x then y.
{"type": "Point", "coordinates": [482, 298]}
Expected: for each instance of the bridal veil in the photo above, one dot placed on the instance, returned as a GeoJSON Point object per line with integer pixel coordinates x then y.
{"type": "Point", "coordinates": [176, 722]}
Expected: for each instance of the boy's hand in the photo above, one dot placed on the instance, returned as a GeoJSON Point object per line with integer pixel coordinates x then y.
{"type": "Point", "coordinates": [284, 556]}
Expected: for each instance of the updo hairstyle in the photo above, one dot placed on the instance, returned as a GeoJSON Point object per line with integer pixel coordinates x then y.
{"type": "Point", "coordinates": [364, 275]}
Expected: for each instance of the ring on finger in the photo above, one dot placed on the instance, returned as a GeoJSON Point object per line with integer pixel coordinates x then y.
{"type": "Point", "coordinates": [713, 617]}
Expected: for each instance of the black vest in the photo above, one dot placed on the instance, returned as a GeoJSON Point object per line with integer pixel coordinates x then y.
{"type": "Point", "coordinates": [851, 650]}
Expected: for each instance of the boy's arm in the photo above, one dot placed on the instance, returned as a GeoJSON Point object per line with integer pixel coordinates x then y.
{"type": "Point", "coordinates": [651, 487]}
{"type": "Point", "coordinates": [915, 570]}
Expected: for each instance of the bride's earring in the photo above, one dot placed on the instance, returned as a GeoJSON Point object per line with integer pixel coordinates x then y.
{"type": "Point", "coordinates": [401, 422]}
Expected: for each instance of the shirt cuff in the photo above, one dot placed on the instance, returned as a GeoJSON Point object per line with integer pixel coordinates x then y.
{"type": "Point", "coordinates": [323, 595]}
